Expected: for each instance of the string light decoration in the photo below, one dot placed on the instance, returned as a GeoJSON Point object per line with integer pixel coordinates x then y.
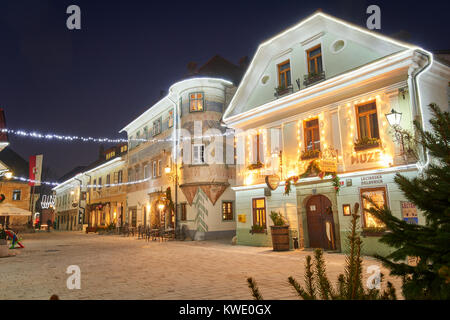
{"type": "Point", "coordinates": [58, 137]}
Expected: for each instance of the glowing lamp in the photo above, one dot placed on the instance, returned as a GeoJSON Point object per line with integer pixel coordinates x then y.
{"type": "Point", "coordinates": [8, 175]}
{"type": "Point", "coordinates": [394, 118]}
{"type": "Point", "coordinates": [167, 169]}
{"type": "Point", "coordinates": [161, 206]}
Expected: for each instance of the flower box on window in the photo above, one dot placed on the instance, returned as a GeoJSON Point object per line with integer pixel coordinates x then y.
{"type": "Point", "coordinates": [281, 91]}
{"type": "Point", "coordinates": [258, 229]}
{"type": "Point", "coordinates": [311, 78]}
{"type": "Point", "coordinates": [255, 166]}
{"type": "Point", "coordinates": [373, 232]}
{"type": "Point", "coordinates": [310, 154]}
{"type": "Point", "coordinates": [366, 143]}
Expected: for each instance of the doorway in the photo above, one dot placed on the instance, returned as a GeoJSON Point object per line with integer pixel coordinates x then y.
{"type": "Point", "coordinates": [319, 216]}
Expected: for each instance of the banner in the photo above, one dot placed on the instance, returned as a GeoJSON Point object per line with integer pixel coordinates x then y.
{"type": "Point", "coordinates": [36, 169]}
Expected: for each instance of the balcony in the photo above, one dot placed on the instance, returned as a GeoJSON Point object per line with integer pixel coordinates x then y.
{"type": "Point", "coordinates": [312, 78]}
{"type": "Point", "coordinates": [282, 91]}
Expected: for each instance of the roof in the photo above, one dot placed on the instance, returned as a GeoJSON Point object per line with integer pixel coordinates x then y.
{"type": "Point", "coordinates": [17, 164]}
{"type": "Point", "coordinates": [3, 135]}
{"type": "Point", "coordinates": [72, 173]}
{"type": "Point", "coordinates": [318, 20]}
{"type": "Point", "coordinates": [219, 67]}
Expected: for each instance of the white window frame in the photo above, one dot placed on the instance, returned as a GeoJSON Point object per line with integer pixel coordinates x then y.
{"type": "Point", "coordinates": [154, 169]}
{"type": "Point", "coordinates": [159, 168]}
{"type": "Point", "coordinates": [197, 153]}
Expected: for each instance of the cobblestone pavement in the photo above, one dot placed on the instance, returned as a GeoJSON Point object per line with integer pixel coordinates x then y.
{"type": "Point", "coordinates": [116, 267]}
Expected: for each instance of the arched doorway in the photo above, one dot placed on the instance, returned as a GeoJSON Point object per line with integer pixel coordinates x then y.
{"type": "Point", "coordinates": [319, 215]}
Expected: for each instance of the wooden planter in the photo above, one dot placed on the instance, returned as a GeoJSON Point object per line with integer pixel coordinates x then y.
{"type": "Point", "coordinates": [280, 238]}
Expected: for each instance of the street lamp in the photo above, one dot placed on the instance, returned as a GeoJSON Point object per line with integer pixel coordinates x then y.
{"type": "Point", "coordinates": [394, 118]}
{"type": "Point", "coordinates": [167, 169]}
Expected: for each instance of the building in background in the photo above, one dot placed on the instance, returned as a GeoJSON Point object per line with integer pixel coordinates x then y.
{"type": "Point", "coordinates": [318, 100]}
{"type": "Point", "coordinates": [105, 201]}
{"type": "Point", "coordinates": [14, 193]}
{"type": "Point", "coordinates": [199, 171]}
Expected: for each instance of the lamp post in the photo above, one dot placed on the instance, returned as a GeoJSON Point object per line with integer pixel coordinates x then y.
{"type": "Point", "coordinates": [394, 118]}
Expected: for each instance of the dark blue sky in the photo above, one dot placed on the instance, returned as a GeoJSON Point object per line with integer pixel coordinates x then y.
{"type": "Point", "coordinates": [94, 81]}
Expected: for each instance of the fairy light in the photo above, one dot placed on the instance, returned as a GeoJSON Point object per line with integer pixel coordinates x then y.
{"type": "Point", "coordinates": [58, 137]}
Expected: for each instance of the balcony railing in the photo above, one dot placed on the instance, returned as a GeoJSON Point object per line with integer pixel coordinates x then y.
{"type": "Point", "coordinates": [312, 78]}
{"type": "Point", "coordinates": [282, 91]}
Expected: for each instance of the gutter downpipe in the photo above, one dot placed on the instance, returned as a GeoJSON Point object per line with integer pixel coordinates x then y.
{"type": "Point", "coordinates": [175, 155]}
{"type": "Point", "coordinates": [415, 94]}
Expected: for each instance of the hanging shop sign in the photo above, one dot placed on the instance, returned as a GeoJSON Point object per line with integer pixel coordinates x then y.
{"type": "Point", "coordinates": [409, 212]}
{"type": "Point", "coordinates": [48, 201]}
{"type": "Point", "coordinates": [273, 181]}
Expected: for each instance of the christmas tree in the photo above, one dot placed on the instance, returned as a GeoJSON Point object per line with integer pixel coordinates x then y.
{"type": "Point", "coordinates": [429, 244]}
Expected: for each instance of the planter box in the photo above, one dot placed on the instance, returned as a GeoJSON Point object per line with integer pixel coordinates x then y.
{"type": "Point", "coordinates": [309, 80]}
{"type": "Point", "coordinates": [312, 156]}
{"type": "Point", "coordinates": [281, 92]}
{"type": "Point", "coordinates": [367, 146]}
{"type": "Point", "coordinates": [280, 238]}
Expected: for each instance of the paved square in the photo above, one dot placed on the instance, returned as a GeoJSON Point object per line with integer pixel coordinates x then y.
{"type": "Point", "coordinates": [117, 267]}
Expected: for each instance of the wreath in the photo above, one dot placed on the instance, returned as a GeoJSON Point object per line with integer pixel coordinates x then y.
{"type": "Point", "coordinates": [2, 198]}
{"type": "Point", "coordinates": [312, 166]}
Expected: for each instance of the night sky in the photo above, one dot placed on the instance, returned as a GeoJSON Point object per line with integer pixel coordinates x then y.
{"type": "Point", "coordinates": [94, 81]}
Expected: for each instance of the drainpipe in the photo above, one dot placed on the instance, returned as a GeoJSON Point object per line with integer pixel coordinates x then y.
{"type": "Point", "coordinates": [175, 155]}
{"type": "Point", "coordinates": [79, 204]}
{"type": "Point", "coordinates": [413, 73]}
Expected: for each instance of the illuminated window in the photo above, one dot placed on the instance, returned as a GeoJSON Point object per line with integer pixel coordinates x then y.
{"type": "Point", "coordinates": [378, 195]}
{"type": "Point", "coordinates": [123, 148]}
{"type": "Point", "coordinates": [170, 120]}
{"type": "Point", "coordinates": [196, 102]}
{"type": "Point", "coordinates": [227, 210]}
{"type": "Point", "coordinates": [284, 74]}
{"type": "Point", "coordinates": [312, 135]}
{"type": "Point", "coordinates": [259, 212]}
{"type": "Point", "coordinates": [314, 56]}
{"type": "Point", "coordinates": [367, 121]}
{"type": "Point", "coordinates": [257, 148]}
{"type": "Point", "coordinates": [183, 209]}
{"type": "Point", "coordinates": [16, 195]}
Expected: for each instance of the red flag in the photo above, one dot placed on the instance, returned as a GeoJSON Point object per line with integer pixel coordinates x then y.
{"type": "Point", "coordinates": [32, 170]}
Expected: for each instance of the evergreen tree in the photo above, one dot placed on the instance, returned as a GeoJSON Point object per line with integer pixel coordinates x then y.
{"type": "Point", "coordinates": [429, 278]}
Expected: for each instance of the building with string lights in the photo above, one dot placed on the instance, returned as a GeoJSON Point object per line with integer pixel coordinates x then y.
{"type": "Point", "coordinates": [318, 114]}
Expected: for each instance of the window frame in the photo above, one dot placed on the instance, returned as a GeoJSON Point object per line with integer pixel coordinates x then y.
{"type": "Point", "coordinates": [361, 191]}
{"type": "Point", "coordinates": [232, 210]}
{"type": "Point", "coordinates": [366, 114]}
{"type": "Point", "coordinates": [17, 192]}
{"type": "Point", "coordinates": [306, 129]}
{"type": "Point", "coordinates": [284, 73]}
{"type": "Point", "coordinates": [309, 58]}
{"type": "Point", "coordinates": [202, 98]}
{"type": "Point", "coordinates": [159, 168]}
{"type": "Point", "coordinates": [154, 169]}
{"type": "Point", "coordinates": [159, 127]}
{"type": "Point", "coordinates": [254, 200]}
{"type": "Point", "coordinates": [200, 154]}
{"type": "Point", "coordinates": [183, 212]}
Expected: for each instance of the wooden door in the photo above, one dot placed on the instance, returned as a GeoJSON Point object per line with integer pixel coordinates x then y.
{"type": "Point", "coordinates": [319, 213]}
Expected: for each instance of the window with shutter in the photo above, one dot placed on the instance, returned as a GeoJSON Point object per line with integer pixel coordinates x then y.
{"type": "Point", "coordinates": [198, 154]}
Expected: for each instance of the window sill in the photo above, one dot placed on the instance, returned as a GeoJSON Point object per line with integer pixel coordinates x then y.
{"type": "Point", "coordinates": [258, 232]}
{"type": "Point", "coordinates": [315, 156]}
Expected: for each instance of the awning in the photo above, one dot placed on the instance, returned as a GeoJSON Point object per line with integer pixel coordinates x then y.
{"type": "Point", "coordinates": [8, 209]}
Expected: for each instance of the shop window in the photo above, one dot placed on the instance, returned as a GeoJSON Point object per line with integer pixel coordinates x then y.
{"type": "Point", "coordinates": [259, 212]}
{"type": "Point", "coordinates": [227, 211]}
{"type": "Point", "coordinates": [183, 209]}
{"type": "Point", "coordinates": [378, 195]}
{"type": "Point", "coordinates": [314, 56]}
{"type": "Point", "coordinates": [312, 135]}
{"type": "Point", "coordinates": [367, 121]}
{"type": "Point", "coordinates": [284, 74]}
{"type": "Point", "coordinates": [16, 195]}
{"type": "Point", "coordinates": [196, 102]}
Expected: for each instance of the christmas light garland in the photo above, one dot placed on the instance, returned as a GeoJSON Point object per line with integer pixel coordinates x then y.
{"type": "Point", "coordinates": [52, 136]}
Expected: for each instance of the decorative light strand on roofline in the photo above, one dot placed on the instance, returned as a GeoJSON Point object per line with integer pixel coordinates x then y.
{"type": "Point", "coordinates": [37, 135]}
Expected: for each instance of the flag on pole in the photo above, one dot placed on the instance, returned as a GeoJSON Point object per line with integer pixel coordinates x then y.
{"type": "Point", "coordinates": [35, 169]}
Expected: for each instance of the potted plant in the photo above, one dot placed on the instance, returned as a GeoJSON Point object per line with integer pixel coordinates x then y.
{"type": "Point", "coordinates": [256, 228]}
{"type": "Point", "coordinates": [279, 231]}
{"type": "Point", "coordinates": [281, 90]}
{"type": "Point", "coordinates": [366, 143]}
{"type": "Point", "coordinates": [3, 244]}
{"type": "Point", "coordinates": [310, 154]}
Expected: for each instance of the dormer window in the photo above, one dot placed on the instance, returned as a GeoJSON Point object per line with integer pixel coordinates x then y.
{"type": "Point", "coordinates": [196, 101]}
{"type": "Point", "coordinates": [284, 74]}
